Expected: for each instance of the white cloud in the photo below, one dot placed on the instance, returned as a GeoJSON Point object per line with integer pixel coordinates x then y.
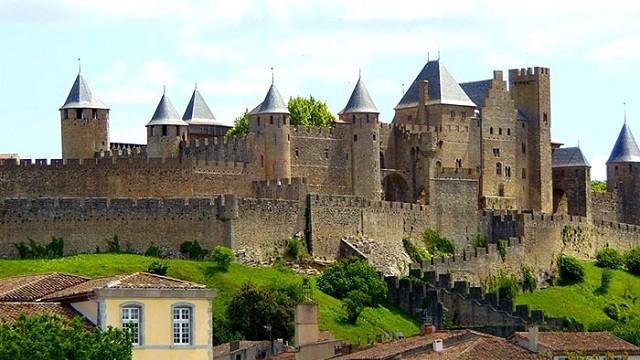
{"type": "Point", "coordinates": [210, 51]}
{"type": "Point", "coordinates": [158, 72]}
{"type": "Point", "coordinates": [617, 55]}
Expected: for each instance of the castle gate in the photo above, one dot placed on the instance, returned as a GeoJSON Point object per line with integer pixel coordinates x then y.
{"type": "Point", "coordinates": [396, 188]}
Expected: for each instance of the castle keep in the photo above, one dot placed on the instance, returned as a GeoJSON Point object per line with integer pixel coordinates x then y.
{"type": "Point", "coordinates": [464, 158]}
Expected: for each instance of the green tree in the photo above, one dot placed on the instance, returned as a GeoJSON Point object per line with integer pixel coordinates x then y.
{"type": "Point", "coordinates": [309, 112]}
{"type": "Point", "coordinates": [223, 256]}
{"type": "Point", "coordinates": [259, 313]}
{"type": "Point", "coordinates": [350, 274]}
{"type": "Point", "coordinates": [609, 258]}
{"type": "Point", "coordinates": [598, 186]}
{"type": "Point", "coordinates": [240, 125]}
{"type": "Point", "coordinates": [49, 337]}
{"type": "Point", "coordinates": [436, 244]}
{"type": "Point", "coordinates": [158, 267]}
{"type": "Point", "coordinates": [354, 304]}
{"type": "Point", "coordinates": [571, 271]}
{"type": "Point", "coordinates": [632, 260]}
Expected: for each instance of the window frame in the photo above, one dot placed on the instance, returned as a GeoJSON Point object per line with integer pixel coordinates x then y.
{"type": "Point", "coordinates": [191, 324]}
{"type": "Point", "coordinates": [140, 307]}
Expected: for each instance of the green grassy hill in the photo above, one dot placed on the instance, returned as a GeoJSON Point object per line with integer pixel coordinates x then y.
{"type": "Point", "coordinates": [585, 303]}
{"type": "Point", "coordinates": [373, 321]}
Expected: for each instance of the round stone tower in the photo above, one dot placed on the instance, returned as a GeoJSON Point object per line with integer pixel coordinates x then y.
{"type": "Point", "coordinates": [270, 122]}
{"type": "Point", "coordinates": [165, 131]}
{"type": "Point", "coordinates": [84, 122]}
{"type": "Point", "coordinates": [362, 114]}
{"type": "Point", "coordinates": [623, 176]}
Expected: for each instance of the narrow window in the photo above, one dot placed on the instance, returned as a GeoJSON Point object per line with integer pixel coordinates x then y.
{"type": "Point", "coordinates": [261, 160]}
{"type": "Point", "coordinates": [355, 137]}
{"type": "Point", "coordinates": [326, 153]}
{"type": "Point", "coordinates": [464, 115]}
{"type": "Point", "coordinates": [164, 130]}
{"type": "Point", "coordinates": [523, 125]}
{"type": "Point", "coordinates": [491, 130]}
{"type": "Point", "coordinates": [524, 148]}
{"type": "Point", "coordinates": [353, 119]}
{"type": "Point", "coordinates": [288, 137]}
{"type": "Point", "coordinates": [452, 115]}
{"type": "Point", "coordinates": [271, 120]}
{"type": "Point", "coordinates": [496, 152]}
{"type": "Point", "coordinates": [153, 131]}
{"type": "Point", "coordinates": [501, 190]}
{"type": "Point", "coordinates": [66, 113]}
{"type": "Point", "coordinates": [297, 152]}
{"type": "Point", "coordinates": [367, 118]}
{"type": "Point", "coordinates": [544, 117]}
{"type": "Point", "coordinates": [498, 169]}
{"type": "Point", "coordinates": [258, 120]}
{"type": "Point", "coordinates": [94, 113]}
{"type": "Point", "coordinates": [131, 316]}
{"type": "Point", "coordinates": [524, 173]}
{"type": "Point", "coordinates": [499, 131]}
{"type": "Point", "coordinates": [374, 137]}
{"type": "Point", "coordinates": [182, 325]}
{"type": "Point", "coordinates": [508, 131]}
{"type": "Point", "coordinates": [78, 113]}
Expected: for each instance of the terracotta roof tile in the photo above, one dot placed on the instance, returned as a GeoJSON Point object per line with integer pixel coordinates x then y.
{"type": "Point", "coordinates": [481, 347]}
{"type": "Point", "coordinates": [390, 349]}
{"type": "Point", "coordinates": [586, 342]}
{"type": "Point", "coordinates": [34, 287]}
{"type": "Point", "coordinates": [138, 280]}
{"type": "Point", "coordinates": [11, 311]}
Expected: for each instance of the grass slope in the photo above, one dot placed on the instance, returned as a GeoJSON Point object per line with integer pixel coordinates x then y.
{"type": "Point", "coordinates": [372, 321]}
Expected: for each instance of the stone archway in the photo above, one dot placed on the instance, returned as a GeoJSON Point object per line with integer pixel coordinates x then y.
{"type": "Point", "coordinates": [395, 188]}
{"type": "Point", "coordinates": [560, 202]}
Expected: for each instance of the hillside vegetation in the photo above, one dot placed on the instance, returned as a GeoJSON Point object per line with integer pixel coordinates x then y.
{"type": "Point", "coordinates": [373, 321]}
{"type": "Point", "coordinates": [586, 303]}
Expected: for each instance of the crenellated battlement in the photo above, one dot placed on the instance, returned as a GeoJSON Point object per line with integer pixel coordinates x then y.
{"type": "Point", "coordinates": [528, 73]}
{"type": "Point", "coordinates": [287, 188]}
{"type": "Point", "coordinates": [222, 149]}
{"type": "Point", "coordinates": [111, 162]}
{"type": "Point", "coordinates": [316, 132]}
{"type": "Point", "coordinates": [456, 173]}
{"type": "Point", "coordinates": [473, 256]}
{"type": "Point", "coordinates": [358, 202]}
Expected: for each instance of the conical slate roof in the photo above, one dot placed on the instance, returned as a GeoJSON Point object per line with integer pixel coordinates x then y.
{"type": "Point", "coordinates": [166, 114]}
{"type": "Point", "coordinates": [272, 103]}
{"type": "Point", "coordinates": [80, 97]}
{"type": "Point", "coordinates": [625, 149]}
{"type": "Point", "coordinates": [360, 100]}
{"type": "Point", "coordinates": [198, 112]}
{"type": "Point", "coordinates": [443, 88]}
{"type": "Point", "coordinates": [568, 157]}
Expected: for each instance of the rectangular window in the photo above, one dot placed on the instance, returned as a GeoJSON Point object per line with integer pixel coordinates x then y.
{"type": "Point", "coordinates": [453, 115]}
{"type": "Point", "coordinates": [524, 148]}
{"type": "Point", "coordinates": [78, 113]}
{"type": "Point", "coordinates": [326, 153]}
{"type": "Point", "coordinates": [164, 130]}
{"type": "Point", "coordinates": [524, 173]}
{"type": "Point", "coordinates": [94, 114]}
{"type": "Point", "coordinates": [496, 152]}
{"type": "Point", "coordinates": [182, 325]}
{"type": "Point", "coordinates": [131, 321]}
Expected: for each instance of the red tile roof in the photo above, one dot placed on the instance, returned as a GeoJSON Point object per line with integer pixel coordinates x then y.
{"type": "Point", "coordinates": [394, 348]}
{"type": "Point", "coordinates": [138, 280]}
{"type": "Point", "coordinates": [585, 342]}
{"type": "Point", "coordinates": [481, 347]}
{"type": "Point", "coordinates": [34, 287]}
{"type": "Point", "coordinates": [11, 311]}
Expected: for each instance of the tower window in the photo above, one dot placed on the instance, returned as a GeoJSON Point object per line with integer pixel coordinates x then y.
{"type": "Point", "coordinates": [544, 117]}
{"type": "Point", "coordinates": [78, 113]}
{"type": "Point", "coordinates": [355, 137]}
{"type": "Point", "coordinates": [164, 130]}
{"type": "Point", "coordinates": [507, 171]}
{"type": "Point", "coordinates": [297, 152]}
{"type": "Point", "coordinates": [499, 131]}
{"type": "Point", "coordinates": [498, 169]}
{"type": "Point", "coordinates": [524, 148]}
{"type": "Point", "coordinates": [491, 130]}
{"type": "Point", "coordinates": [452, 115]}
{"type": "Point", "coordinates": [258, 120]}
{"type": "Point", "coordinates": [353, 119]}
{"type": "Point", "coordinates": [326, 153]}
{"type": "Point", "coordinates": [66, 113]}
{"type": "Point", "coordinates": [410, 118]}
{"type": "Point", "coordinates": [94, 113]}
{"type": "Point", "coordinates": [261, 160]}
{"type": "Point", "coordinates": [524, 173]}
{"type": "Point", "coordinates": [271, 120]}
{"type": "Point", "coordinates": [508, 131]}
{"type": "Point", "coordinates": [496, 152]}
{"type": "Point", "coordinates": [464, 115]}
{"type": "Point", "coordinates": [374, 137]}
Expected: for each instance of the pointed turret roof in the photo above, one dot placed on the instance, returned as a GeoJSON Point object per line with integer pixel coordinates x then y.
{"type": "Point", "coordinates": [198, 112]}
{"type": "Point", "coordinates": [443, 88]}
{"type": "Point", "coordinates": [80, 96]}
{"type": "Point", "coordinates": [166, 114]}
{"type": "Point", "coordinates": [569, 157]}
{"type": "Point", "coordinates": [360, 100]}
{"type": "Point", "coordinates": [625, 149]}
{"type": "Point", "coordinates": [272, 103]}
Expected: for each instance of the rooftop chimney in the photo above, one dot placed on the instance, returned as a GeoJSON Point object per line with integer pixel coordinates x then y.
{"type": "Point", "coordinates": [437, 345]}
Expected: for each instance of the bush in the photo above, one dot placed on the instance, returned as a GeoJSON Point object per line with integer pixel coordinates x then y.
{"type": "Point", "coordinates": [417, 254]}
{"type": "Point", "coordinates": [158, 268]}
{"type": "Point", "coordinates": [609, 258]}
{"type": "Point", "coordinates": [33, 250]}
{"type": "Point", "coordinates": [437, 244]}
{"type": "Point", "coordinates": [192, 250]}
{"type": "Point", "coordinates": [605, 281]}
{"type": "Point", "coordinates": [353, 305]}
{"type": "Point", "coordinates": [571, 272]}
{"type": "Point", "coordinates": [503, 283]}
{"type": "Point", "coordinates": [113, 246]}
{"type": "Point", "coordinates": [502, 249]}
{"type": "Point", "coordinates": [480, 241]}
{"type": "Point", "coordinates": [153, 251]}
{"type": "Point", "coordinates": [295, 248]}
{"type": "Point", "coordinates": [55, 338]}
{"type": "Point", "coordinates": [529, 282]}
{"type": "Point", "coordinates": [223, 256]}
{"type": "Point", "coordinates": [352, 274]}
{"type": "Point", "coordinates": [632, 261]}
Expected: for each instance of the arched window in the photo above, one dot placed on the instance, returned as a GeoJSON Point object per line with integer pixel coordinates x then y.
{"type": "Point", "coordinates": [499, 131]}
{"type": "Point", "coordinates": [261, 160]}
{"type": "Point", "coordinates": [498, 168]}
{"type": "Point", "coordinates": [131, 318]}
{"type": "Point", "coordinates": [491, 130]}
{"type": "Point", "coordinates": [182, 315]}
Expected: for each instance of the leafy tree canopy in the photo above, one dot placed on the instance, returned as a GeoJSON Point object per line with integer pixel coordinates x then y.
{"type": "Point", "coordinates": [351, 274]}
{"type": "Point", "coordinates": [303, 111]}
{"type": "Point", "coordinates": [53, 338]}
{"type": "Point", "coordinates": [598, 186]}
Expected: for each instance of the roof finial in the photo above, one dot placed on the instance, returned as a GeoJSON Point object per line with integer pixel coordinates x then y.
{"type": "Point", "coordinates": [273, 76]}
{"type": "Point", "coordinates": [624, 104]}
{"type": "Point", "coordinates": [428, 57]}
{"type": "Point", "coordinates": [438, 53]}
{"type": "Point", "coordinates": [79, 66]}
{"type": "Point", "coordinates": [359, 73]}
{"type": "Point", "coordinates": [164, 89]}
{"type": "Point", "coordinates": [403, 84]}
{"type": "Point", "coordinates": [196, 86]}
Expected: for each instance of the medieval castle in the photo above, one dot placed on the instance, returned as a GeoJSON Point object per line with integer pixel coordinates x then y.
{"type": "Point", "coordinates": [464, 158]}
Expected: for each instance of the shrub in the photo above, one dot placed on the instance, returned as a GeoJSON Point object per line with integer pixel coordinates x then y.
{"type": "Point", "coordinates": [529, 282]}
{"type": "Point", "coordinates": [33, 250]}
{"type": "Point", "coordinates": [354, 304]}
{"type": "Point", "coordinates": [437, 244]}
{"type": "Point", "coordinates": [192, 250]}
{"type": "Point", "coordinates": [609, 258]}
{"type": "Point", "coordinates": [158, 268]}
{"type": "Point", "coordinates": [417, 254]}
{"type": "Point", "coordinates": [295, 247]}
{"type": "Point", "coordinates": [480, 241]}
{"type": "Point", "coordinates": [571, 272]}
{"type": "Point", "coordinates": [153, 251]}
{"type": "Point", "coordinates": [223, 256]}
{"type": "Point", "coordinates": [612, 311]}
{"type": "Point", "coordinates": [346, 275]}
{"type": "Point", "coordinates": [502, 249]}
{"type": "Point", "coordinates": [605, 281]}
{"type": "Point", "coordinates": [504, 283]}
{"type": "Point", "coordinates": [632, 260]}
{"type": "Point", "coordinates": [113, 246]}
{"type": "Point", "coordinates": [599, 186]}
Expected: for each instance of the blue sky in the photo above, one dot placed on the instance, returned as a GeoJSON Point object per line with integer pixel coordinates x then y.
{"type": "Point", "coordinates": [130, 49]}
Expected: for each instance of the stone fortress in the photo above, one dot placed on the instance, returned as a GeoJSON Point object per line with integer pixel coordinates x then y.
{"type": "Point", "coordinates": [467, 159]}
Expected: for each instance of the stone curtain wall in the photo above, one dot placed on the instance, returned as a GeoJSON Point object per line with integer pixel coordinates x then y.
{"type": "Point", "coordinates": [126, 177]}
{"type": "Point", "coordinates": [86, 224]}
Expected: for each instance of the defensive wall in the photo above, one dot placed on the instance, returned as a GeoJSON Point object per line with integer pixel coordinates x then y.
{"type": "Point", "coordinates": [114, 177]}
